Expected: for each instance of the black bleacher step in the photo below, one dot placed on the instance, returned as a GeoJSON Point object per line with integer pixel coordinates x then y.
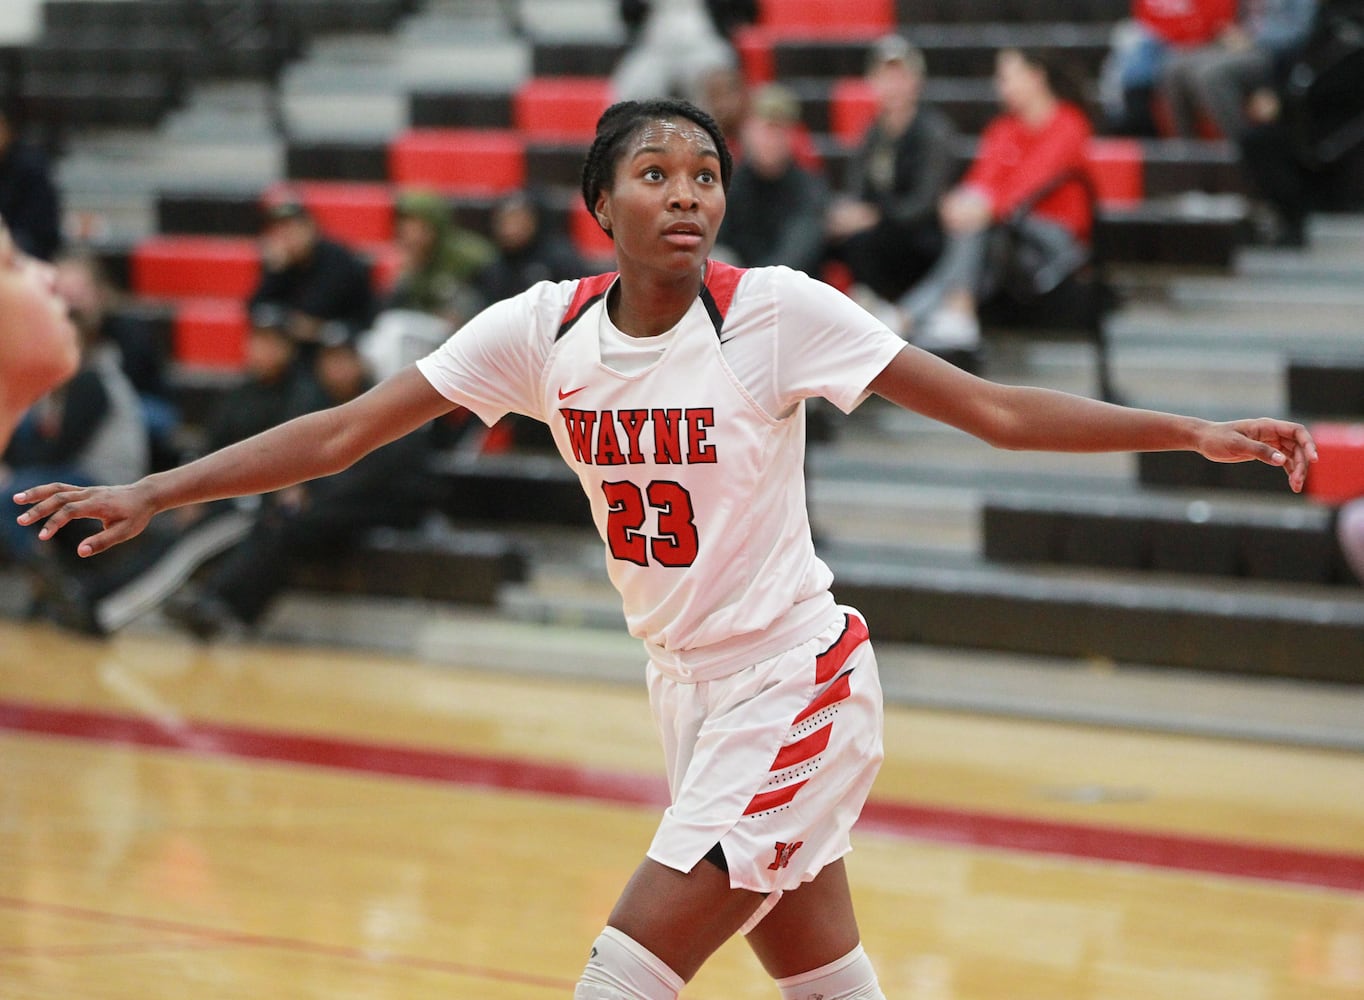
{"type": "Point", "coordinates": [511, 489]}
{"type": "Point", "coordinates": [1289, 543]}
{"type": "Point", "coordinates": [1326, 388]}
{"type": "Point", "coordinates": [950, 50]}
{"type": "Point", "coordinates": [1317, 636]}
{"type": "Point", "coordinates": [460, 566]}
{"type": "Point", "coordinates": [911, 12]}
{"type": "Point", "coordinates": [336, 160]}
{"type": "Point", "coordinates": [1186, 470]}
{"type": "Point", "coordinates": [87, 98]}
{"type": "Point", "coordinates": [460, 109]}
{"type": "Point", "coordinates": [216, 213]}
{"type": "Point", "coordinates": [575, 58]}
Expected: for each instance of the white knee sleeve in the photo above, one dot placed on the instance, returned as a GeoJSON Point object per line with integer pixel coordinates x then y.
{"type": "Point", "coordinates": [848, 978]}
{"type": "Point", "coordinates": [621, 968]}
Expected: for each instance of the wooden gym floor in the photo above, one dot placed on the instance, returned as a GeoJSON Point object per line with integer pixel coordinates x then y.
{"type": "Point", "coordinates": [247, 821]}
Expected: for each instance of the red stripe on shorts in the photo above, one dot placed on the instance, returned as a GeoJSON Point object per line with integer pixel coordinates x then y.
{"type": "Point", "coordinates": [829, 662]}
{"type": "Point", "coordinates": [764, 801]}
{"type": "Point", "coordinates": [803, 749]}
{"type": "Point", "coordinates": [832, 695]}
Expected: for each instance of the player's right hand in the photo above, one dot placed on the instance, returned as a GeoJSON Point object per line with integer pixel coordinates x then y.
{"type": "Point", "coordinates": [122, 510]}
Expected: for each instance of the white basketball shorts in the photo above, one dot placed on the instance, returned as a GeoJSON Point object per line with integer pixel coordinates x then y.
{"type": "Point", "coordinates": [774, 762]}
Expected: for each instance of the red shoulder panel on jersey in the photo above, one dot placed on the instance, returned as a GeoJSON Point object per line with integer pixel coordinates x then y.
{"type": "Point", "coordinates": [718, 291]}
{"type": "Point", "coordinates": [589, 291]}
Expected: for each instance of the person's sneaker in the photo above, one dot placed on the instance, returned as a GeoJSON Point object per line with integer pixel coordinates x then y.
{"type": "Point", "coordinates": [949, 330]}
{"type": "Point", "coordinates": [888, 313]}
{"type": "Point", "coordinates": [202, 615]}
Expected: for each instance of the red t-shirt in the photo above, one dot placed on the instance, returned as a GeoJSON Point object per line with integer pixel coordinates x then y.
{"type": "Point", "coordinates": [1185, 22]}
{"type": "Point", "coordinates": [1015, 160]}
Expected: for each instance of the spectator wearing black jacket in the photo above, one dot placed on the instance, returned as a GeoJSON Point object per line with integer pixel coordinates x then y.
{"type": "Point", "coordinates": [315, 279]}
{"type": "Point", "coordinates": [1305, 150]}
{"type": "Point", "coordinates": [29, 200]}
{"type": "Point", "coordinates": [776, 206]}
{"type": "Point", "coordinates": [389, 487]}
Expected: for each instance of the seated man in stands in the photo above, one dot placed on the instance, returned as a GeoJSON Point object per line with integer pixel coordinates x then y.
{"type": "Point", "coordinates": [316, 279]}
{"type": "Point", "coordinates": [94, 303]}
{"type": "Point", "coordinates": [885, 227]}
{"type": "Point", "coordinates": [389, 487]}
{"type": "Point", "coordinates": [529, 249]}
{"type": "Point", "coordinates": [776, 212]}
{"type": "Point", "coordinates": [88, 430]}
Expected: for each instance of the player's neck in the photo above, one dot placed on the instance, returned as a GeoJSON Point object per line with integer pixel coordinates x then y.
{"type": "Point", "coordinates": [647, 307]}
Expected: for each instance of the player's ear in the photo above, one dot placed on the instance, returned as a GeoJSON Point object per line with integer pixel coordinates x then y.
{"type": "Point", "coordinates": [602, 211]}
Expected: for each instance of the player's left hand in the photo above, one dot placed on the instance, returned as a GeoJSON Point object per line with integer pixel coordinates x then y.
{"type": "Point", "coordinates": [1263, 439]}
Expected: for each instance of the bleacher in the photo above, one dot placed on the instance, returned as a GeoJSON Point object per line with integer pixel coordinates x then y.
{"type": "Point", "coordinates": [1176, 562]}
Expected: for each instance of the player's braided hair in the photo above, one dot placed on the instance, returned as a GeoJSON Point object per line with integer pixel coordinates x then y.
{"type": "Point", "coordinates": [618, 125]}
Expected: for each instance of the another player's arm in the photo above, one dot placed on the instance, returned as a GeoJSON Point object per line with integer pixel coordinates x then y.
{"type": "Point", "coordinates": [1026, 418]}
{"type": "Point", "coordinates": [307, 447]}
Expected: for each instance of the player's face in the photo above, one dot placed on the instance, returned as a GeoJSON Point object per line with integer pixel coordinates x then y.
{"type": "Point", "coordinates": [667, 201]}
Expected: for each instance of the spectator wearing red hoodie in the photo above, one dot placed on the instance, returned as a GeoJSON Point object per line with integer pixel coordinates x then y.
{"type": "Point", "coordinates": [1042, 136]}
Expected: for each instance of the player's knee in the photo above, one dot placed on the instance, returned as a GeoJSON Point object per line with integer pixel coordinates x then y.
{"type": "Point", "coordinates": [848, 978]}
{"type": "Point", "coordinates": [621, 968]}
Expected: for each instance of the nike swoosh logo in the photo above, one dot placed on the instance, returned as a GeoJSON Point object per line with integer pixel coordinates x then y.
{"type": "Point", "coordinates": [564, 395]}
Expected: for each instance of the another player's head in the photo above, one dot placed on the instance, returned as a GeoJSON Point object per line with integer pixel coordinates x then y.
{"type": "Point", "coordinates": [39, 348]}
{"type": "Point", "coordinates": [655, 180]}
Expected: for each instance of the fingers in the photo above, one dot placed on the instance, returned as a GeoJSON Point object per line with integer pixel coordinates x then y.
{"type": "Point", "coordinates": [58, 505]}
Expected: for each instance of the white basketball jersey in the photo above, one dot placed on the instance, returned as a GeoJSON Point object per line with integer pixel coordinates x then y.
{"type": "Point", "coordinates": [696, 489]}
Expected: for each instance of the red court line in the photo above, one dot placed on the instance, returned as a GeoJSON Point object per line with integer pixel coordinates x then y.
{"type": "Point", "coordinates": [213, 936]}
{"type": "Point", "coordinates": [941, 825]}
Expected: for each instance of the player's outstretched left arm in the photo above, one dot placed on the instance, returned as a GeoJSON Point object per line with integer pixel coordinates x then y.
{"type": "Point", "coordinates": [1030, 419]}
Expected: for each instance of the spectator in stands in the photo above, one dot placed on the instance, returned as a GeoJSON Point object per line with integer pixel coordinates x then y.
{"type": "Point", "coordinates": [777, 208]}
{"type": "Point", "coordinates": [29, 200]}
{"type": "Point", "coordinates": [39, 346]}
{"type": "Point", "coordinates": [440, 260]}
{"type": "Point", "coordinates": [389, 487]}
{"type": "Point", "coordinates": [1212, 82]}
{"type": "Point", "coordinates": [275, 386]}
{"type": "Point", "coordinates": [885, 229]}
{"type": "Point", "coordinates": [529, 249]}
{"type": "Point", "coordinates": [674, 44]}
{"type": "Point", "coordinates": [1304, 149]}
{"type": "Point", "coordinates": [94, 305]}
{"type": "Point", "coordinates": [1140, 50]}
{"type": "Point", "coordinates": [314, 278]}
{"type": "Point", "coordinates": [89, 430]}
{"type": "Point", "coordinates": [1025, 155]}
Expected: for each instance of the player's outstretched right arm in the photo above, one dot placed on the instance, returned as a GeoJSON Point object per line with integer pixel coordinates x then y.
{"type": "Point", "coordinates": [307, 447]}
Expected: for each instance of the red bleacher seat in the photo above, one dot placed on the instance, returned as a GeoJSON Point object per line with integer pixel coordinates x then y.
{"type": "Point", "coordinates": [589, 238]}
{"type": "Point", "coordinates": [210, 333]}
{"type": "Point", "coordinates": [563, 107]}
{"type": "Point", "coordinates": [852, 108]}
{"type": "Point", "coordinates": [1338, 474]}
{"type": "Point", "coordinates": [352, 213]}
{"type": "Point", "coordinates": [189, 266]}
{"type": "Point", "coordinates": [838, 18]}
{"type": "Point", "coordinates": [459, 161]}
{"type": "Point", "coordinates": [1116, 168]}
{"type": "Point", "coordinates": [754, 46]}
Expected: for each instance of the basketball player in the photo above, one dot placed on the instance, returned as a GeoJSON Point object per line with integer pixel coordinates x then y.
{"type": "Point", "coordinates": [39, 348]}
{"type": "Point", "coordinates": [674, 389]}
